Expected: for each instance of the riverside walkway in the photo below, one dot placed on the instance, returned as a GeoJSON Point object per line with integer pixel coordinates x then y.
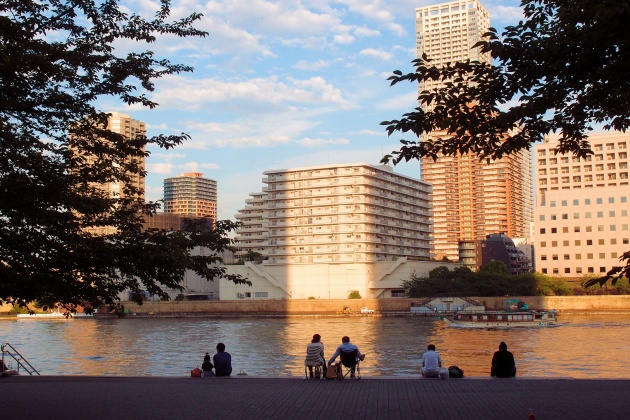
{"type": "Point", "coordinates": [245, 397]}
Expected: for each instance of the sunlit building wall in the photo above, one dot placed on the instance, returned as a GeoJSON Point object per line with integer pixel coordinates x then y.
{"type": "Point", "coordinates": [581, 212]}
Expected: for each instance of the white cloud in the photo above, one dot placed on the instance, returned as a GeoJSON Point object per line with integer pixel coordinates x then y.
{"type": "Point", "coordinates": [406, 101]}
{"type": "Point", "coordinates": [380, 54]}
{"type": "Point", "coordinates": [168, 156]}
{"type": "Point", "coordinates": [313, 65]}
{"type": "Point", "coordinates": [160, 168]}
{"type": "Point", "coordinates": [309, 142]}
{"type": "Point", "coordinates": [344, 39]}
{"type": "Point", "coordinates": [181, 92]}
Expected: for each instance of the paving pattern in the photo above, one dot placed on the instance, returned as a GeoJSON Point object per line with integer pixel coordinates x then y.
{"type": "Point", "coordinates": [243, 397]}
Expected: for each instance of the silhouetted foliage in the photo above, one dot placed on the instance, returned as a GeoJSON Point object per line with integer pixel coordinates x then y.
{"type": "Point", "coordinates": [57, 60]}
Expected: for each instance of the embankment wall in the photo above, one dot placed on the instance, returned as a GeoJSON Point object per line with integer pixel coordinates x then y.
{"type": "Point", "coordinates": [331, 306]}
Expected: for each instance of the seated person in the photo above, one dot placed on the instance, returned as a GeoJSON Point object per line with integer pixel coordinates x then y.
{"type": "Point", "coordinates": [315, 355]}
{"type": "Point", "coordinates": [503, 365]}
{"type": "Point", "coordinates": [222, 361]}
{"type": "Point", "coordinates": [207, 366]}
{"type": "Point", "coordinates": [346, 345]}
{"type": "Point", "coordinates": [431, 363]}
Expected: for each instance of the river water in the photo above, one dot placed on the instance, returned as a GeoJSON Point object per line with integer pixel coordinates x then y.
{"type": "Point", "coordinates": [582, 346]}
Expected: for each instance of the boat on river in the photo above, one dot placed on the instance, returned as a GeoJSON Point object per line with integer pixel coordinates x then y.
{"type": "Point", "coordinates": [54, 315]}
{"type": "Point", "coordinates": [516, 314]}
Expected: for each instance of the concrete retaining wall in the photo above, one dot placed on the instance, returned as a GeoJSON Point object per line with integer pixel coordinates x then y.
{"type": "Point", "coordinates": [323, 306]}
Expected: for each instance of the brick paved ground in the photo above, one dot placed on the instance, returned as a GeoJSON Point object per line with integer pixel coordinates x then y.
{"type": "Point", "coordinates": [62, 397]}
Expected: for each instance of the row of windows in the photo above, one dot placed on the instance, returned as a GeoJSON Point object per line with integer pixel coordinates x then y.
{"type": "Point", "coordinates": [585, 168]}
{"type": "Point", "coordinates": [586, 201]}
{"type": "Point", "coordinates": [577, 229]}
{"type": "Point", "coordinates": [587, 242]}
{"type": "Point", "coordinates": [597, 148]}
{"type": "Point", "coordinates": [578, 270]}
{"type": "Point", "coordinates": [597, 158]}
{"type": "Point", "coordinates": [589, 256]}
{"type": "Point", "coordinates": [587, 215]}
{"type": "Point", "coordinates": [587, 178]}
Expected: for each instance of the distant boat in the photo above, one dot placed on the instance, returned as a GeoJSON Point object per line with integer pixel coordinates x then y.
{"type": "Point", "coordinates": [57, 315]}
{"type": "Point", "coordinates": [516, 314]}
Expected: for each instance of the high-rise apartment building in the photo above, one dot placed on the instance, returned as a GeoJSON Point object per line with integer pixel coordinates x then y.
{"type": "Point", "coordinates": [471, 198]}
{"type": "Point", "coordinates": [337, 214]}
{"type": "Point", "coordinates": [130, 128]}
{"type": "Point", "coordinates": [191, 195]}
{"type": "Point", "coordinates": [446, 32]}
{"type": "Point", "coordinates": [581, 213]}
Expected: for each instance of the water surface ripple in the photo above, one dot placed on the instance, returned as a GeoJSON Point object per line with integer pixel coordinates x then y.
{"type": "Point", "coordinates": [584, 346]}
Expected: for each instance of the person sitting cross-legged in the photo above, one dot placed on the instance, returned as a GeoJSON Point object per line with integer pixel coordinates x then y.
{"type": "Point", "coordinates": [503, 365]}
{"type": "Point", "coordinates": [431, 363]}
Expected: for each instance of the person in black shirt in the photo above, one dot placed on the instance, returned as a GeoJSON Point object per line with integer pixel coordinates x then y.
{"type": "Point", "coordinates": [222, 361]}
{"type": "Point", "coordinates": [207, 366]}
{"type": "Point", "coordinates": [503, 365]}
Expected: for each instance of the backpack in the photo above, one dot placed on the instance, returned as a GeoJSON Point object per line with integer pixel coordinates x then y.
{"type": "Point", "coordinates": [196, 372]}
{"type": "Point", "coordinates": [455, 372]}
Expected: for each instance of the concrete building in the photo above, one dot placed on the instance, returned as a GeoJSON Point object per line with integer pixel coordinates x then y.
{"type": "Point", "coordinates": [471, 199]}
{"type": "Point", "coordinates": [326, 231]}
{"type": "Point", "coordinates": [130, 128]}
{"type": "Point", "coordinates": [191, 195]}
{"type": "Point", "coordinates": [496, 246]}
{"type": "Point", "coordinates": [581, 211]}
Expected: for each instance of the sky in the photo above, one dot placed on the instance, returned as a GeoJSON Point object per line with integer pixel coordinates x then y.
{"type": "Point", "coordinates": [281, 84]}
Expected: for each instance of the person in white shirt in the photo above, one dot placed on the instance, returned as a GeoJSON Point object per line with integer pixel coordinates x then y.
{"type": "Point", "coordinates": [431, 363]}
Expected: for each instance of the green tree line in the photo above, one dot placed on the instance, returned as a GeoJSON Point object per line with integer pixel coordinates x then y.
{"type": "Point", "coordinates": [495, 280]}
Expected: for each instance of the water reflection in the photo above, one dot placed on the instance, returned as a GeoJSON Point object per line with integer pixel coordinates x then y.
{"type": "Point", "coordinates": [584, 346]}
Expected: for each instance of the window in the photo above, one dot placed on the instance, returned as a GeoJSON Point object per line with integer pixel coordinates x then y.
{"type": "Point", "coordinates": [578, 256]}
{"type": "Point", "coordinates": [261, 294]}
{"type": "Point", "coordinates": [576, 229]}
{"type": "Point", "coordinates": [565, 243]}
{"type": "Point", "coordinates": [543, 258]}
{"type": "Point", "coordinates": [552, 204]}
{"type": "Point", "coordinates": [542, 231]}
{"type": "Point", "coordinates": [600, 228]}
{"type": "Point", "coordinates": [602, 255]}
{"type": "Point", "coordinates": [623, 199]}
{"type": "Point", "coordinates": [602, 269]}
{"type": "Point", "coordinates": [542, 218]}
{"type": "Point", "coordinates": [613, 241]}
{"type": "Point", "coordinates": [589, 242]}
{"type": "Point", "coordinates": [589, 228]}
{"type": "Point", "coordinates": [611, 213]}
{"type": "Point", "coordinates": [613, 255]}
{"type": "Point", "coordinates": [565, 216]}
{"type": "Point", "coordinates": [576, 215]}
{"type": "Point", "coordinates": [600, 201]}
{"type": "Point", "coordinates": [589, 256]}
{"type": "Point", "coordinates": [587, 201]}
{"type": "Point", "coordinates": [576, 202]}
{"type": "Point", "coordinates": [578, 242]}
{"type": "Point", "coordinates": [544, 271]}
{"type": "Point", "coordinates": [567, 270]}
{"type": "Point", "coordinates": [587, 214]}
{"type": "Point", "coordinates": [566, 257]}
{"type": "Point", "coordinates": [554, 230]}
{"type": "Point", "coordinates": [564, 203]}
{"type": "Point", "coordinates": [565, 229]}
{"type": "Point", "coordinates": [398, 293]}
{"type": "Point", "coordinates": [591, 270]}
{"type": "Point", "coordinates": [578, 270]}
{"type": "Point", "coordinates": [553, 217]}
{"type": "Point", "coordinates": [613, 228]}
{"type": "Point", "coordinates": [556, 271]}
{"type": "Point", "coordinates": [543, 244]}
{"type": "Point", "coordinates": [554, 257]}
{"type": "Point", "coordinates": [554, 244]}
{"type": "Point", "coordinates": [601, 242]}
{"type": "Point", "coordinates": [600, 214]}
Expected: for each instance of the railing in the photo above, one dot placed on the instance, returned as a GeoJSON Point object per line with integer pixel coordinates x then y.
{"type": "Point", "coordinates": [9, 350]}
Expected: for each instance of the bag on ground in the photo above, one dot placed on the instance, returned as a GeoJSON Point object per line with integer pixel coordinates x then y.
{"type": "Point", "coordinates": [443, 373]}
{"type": "Point", "coordinates": [455, 372]}
{"type": "Point", "coordinates": [195, 373]}
{"type": "Point", "coordinates": [333, 371]}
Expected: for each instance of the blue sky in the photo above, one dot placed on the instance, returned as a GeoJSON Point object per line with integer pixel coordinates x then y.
{"type": "Point", "coordinates": [282, 84]}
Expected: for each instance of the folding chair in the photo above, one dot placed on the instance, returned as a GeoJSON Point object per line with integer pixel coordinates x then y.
{"type": "Point", "coordinates": [349, 360]}
{"type": "Point", "coordinates": [317, 370]}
